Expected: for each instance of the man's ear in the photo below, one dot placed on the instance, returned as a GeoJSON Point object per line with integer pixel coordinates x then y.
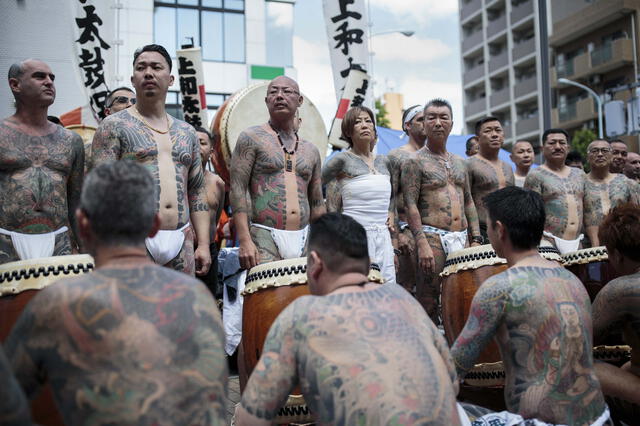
{"type": "Point", "coordinates": [315, 265]}
{"type": "Point", "coordinates": [155, 227]}
{"type": "Point", "coordinates": [84, 226]}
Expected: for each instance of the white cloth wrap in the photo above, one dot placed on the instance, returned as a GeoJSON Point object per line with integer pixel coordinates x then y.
{"type": "Point", "coordinates": [565, 246]}
{"type": "Point", "coordinates": [166, 244]}
{"type": "Point", "coordinates": [506, 418]}
{"type": "Point", "coordinates": [290, 243]}
{"type": "Point", "coordinates": [366, 199]}
{"type": "Point", "coordinates": [451, 240]}
{"type": "Point", "coordinates": [34, 246]}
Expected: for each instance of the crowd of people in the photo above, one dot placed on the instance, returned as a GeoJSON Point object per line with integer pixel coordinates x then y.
{"type": "Point", "coordinates": [140, 341]}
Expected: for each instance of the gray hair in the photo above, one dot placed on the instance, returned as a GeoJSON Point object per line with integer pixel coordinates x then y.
{"type": "Point", "coordinates": [439, 102]}
{"type": "Point", "coordinates": [119, 198]}
{"type": "Point", "coordinates": [16, 70]}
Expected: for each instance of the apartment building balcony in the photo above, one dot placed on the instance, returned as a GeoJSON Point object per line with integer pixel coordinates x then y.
{"type": "Point", "coordinates": [470, 9]}
{"type": "Point", "coordinates": [499, 97]}
{"type": "Point", "coordinates": [508, 132]}
{"type": "Point", "coordinates": [472, 41]}
{"type": "Point", "coordinates": [523, 49]}
{"type": "Point", "coordinates": [574, 114]}
{"type": "Point", "coordinates": [499, 61]}
{"type": "Point", "coordinates": [473, 74]}
{"type": "Point", "coordinates": [497, 26]}
{"type": "Point", "coordinates": [475, 107]}
{"type": "Point", "coordinates": [521, 11]}
{"type": "Point", "coordinates": [524, 87]}
{"type": "Point", "coordinates": [527, 125]}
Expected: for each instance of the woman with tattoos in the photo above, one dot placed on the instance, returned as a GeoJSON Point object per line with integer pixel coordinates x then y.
{"type": "Point", "coordinates": [363, 182]}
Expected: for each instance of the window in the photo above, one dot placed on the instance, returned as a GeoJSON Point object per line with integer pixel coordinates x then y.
{"type": "Point", "coordinates": [217, 26]}
{"type": "Point", "coordinates": [174, 104]}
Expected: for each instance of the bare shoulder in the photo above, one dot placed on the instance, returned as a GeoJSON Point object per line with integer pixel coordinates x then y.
{"type": "Point", "coordinates": [214, 180]}
{"type": "Point", "coordinates": [309, 149]}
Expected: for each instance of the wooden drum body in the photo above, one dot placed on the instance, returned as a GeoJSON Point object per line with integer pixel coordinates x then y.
{"type": "Point", "coordinates": [246, 108]}
{"type": "Point", "coordinates": [592, 267]}
{"type": "Point", "coordinates": [19, 282]}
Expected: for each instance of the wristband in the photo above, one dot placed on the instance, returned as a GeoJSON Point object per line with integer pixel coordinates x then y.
{"type": "Point", "coordinates": [477, 239]}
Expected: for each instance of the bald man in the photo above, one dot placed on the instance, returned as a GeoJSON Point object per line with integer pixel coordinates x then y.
{"type": "Point", "coordinates": [632, 166]}
{"type": "Point", "coordinates": [41, 171]}
{"type": "Point", "coordinates": [275, 181]}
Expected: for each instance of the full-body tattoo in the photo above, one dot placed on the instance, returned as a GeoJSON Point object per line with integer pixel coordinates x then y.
{"type": "Point", "coordinates": [600, 197]}
{"type": "Point", "coordinates": [484, 178]}
{"type": "Point", "coordinates": [40, 184]}
{"type": "Point", "coordinates": [344, 352]}
{"type": "Point", "coordinates": [436, 193]}
{"type": "Point", "coordinates": [14, 410]}
{"type": "Point", "coordinates": [181, 191]}
{"type": "Point", "coordinates": [125, 345]}
{"type": "Point", "coordinates": [563, 198]}
{"type": "Point", "coordinates": [542, 323]}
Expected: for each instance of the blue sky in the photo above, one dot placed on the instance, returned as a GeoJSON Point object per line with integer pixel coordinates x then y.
{"type": "Point", "coordinates": [421, 67]}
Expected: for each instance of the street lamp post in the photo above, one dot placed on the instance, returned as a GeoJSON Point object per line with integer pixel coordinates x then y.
{"type": "Point", "coordinates": [594, 95]}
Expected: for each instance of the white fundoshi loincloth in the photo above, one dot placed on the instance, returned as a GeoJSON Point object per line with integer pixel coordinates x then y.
{"type": "Point", "coordinates": [34, 246]}
{"type": "Point", "coordinates": [366, 199]}
{"type": "Point", "coordinates": [166, 244]}
{"type": "Point", "coordinates": [290, 243]}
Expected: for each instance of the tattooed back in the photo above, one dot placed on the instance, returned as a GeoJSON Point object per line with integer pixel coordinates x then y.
{"type": "Point", "coordinates": [369, 357]}
{"type": "Point", "coordinates": [128, 345]}
{"type": "Point", "coordinates": [600, 197]}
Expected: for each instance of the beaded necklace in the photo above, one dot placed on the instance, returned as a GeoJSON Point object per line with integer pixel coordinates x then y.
{"type": "Point", "coordinates": [288, 161]}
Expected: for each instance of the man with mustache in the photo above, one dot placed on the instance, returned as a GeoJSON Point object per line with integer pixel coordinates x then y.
{"type": "Point", "coordinates": [275, 181]}
{"type": "Point", "coordinates": [41, 170]}
{"type": "Point", "coordinates": [603, 190]}
{"type": "Point", "coordinates": [169, 148]}
{"type": "Point", "coordinates": [487, 173]}
{"type": "Point", "coordinates": [562, 189]}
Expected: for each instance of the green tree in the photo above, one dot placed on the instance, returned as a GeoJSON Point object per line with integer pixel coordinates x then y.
{"type": "Point", "coordinates": [581, 140]}
{"type": "Point", "coordinates": [381, 114]}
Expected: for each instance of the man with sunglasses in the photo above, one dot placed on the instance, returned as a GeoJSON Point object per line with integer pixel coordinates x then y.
{"type": "Point", "coordinates": [603, 189]}
{"type": "Point", "coordinates": [119, 99]}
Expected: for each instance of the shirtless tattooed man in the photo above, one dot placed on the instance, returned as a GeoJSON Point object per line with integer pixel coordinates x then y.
{"type": "Point", "coordinates": [362, 353]}
{"type": "Point", "coordinates": [41, 171]}
{"type": "Point", "coordinates": [413, 126]}
{"type": "Point", "coordinates": [540, 316]}
{"type": "Point", "coordinates": [131, 342]}
{"type": "Point", "coordinates": [169, 148]}
{"type": "Point", "coordinates": [439, 204]}
{"type": "Point", "coordinates": [275, 182]}
{"type": "Point", "coordinates": [522, 156]}
{"type": "Point", "coordinates": [604, 190]}
{"type": "Point", "coordinates": [487, 173]}
{"type": "Point", "coordinates": [562, 189]}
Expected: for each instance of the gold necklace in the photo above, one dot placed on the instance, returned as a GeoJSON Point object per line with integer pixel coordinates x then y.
{"type": "Point", "coordinates": [150, 126]}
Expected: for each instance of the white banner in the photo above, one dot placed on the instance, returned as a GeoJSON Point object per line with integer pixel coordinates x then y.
{"type": "Point", "coordinates": [94, 33]}
{"type": "Point", "coordinates": [346, 23]}
{"type": "Point", "coordinates": [194, 96]}
{"type": "Point", "coordinates": [354, 94]}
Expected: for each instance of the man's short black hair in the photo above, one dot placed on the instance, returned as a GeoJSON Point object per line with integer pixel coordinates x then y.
{"type": "Point", "coordinates": [551, 131]}
{"type": "Point", "coordinates": [205, 131]}
{"type": "Point", "coordinates": [470, 141]}
{"type": "Point", "coordinates": [617, 140]}
{"type": "Point", "coordinates": [109, 102]}
{"type": "Point", "coordinates": [153, 48]}
{"type": "Point", "coordinates": [521, 211]}
{"type": "Point", "coordinates": [573, 157]}
{"type": "Point", "coordinates": [438, 103]}
{"type": "Point", "coordinates": [480, 122]}
{"type": "Point", "coordinates": [341, 242]}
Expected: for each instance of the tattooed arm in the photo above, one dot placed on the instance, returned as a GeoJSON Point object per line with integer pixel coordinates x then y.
{"type": "Point", "coordinates": [334, 197]}
{"type": "Point", "coordinates": [532, 182]}
{"type": "Point", "coordinates": [274, 376]}
{"type": "Point", "coordinates": [198, 206]}
{"type": "Point", "coordinates": [441, 345]}
{"type": "Point", "coordinates": [74, 187]}
{"type": "Point", "coordinates": [470, 210]}
{"type": "Point", "coordinates": [592, 213]}
{"type": "Point", "coordinates": [411, 181]}
{"type": "Point", "coordinates": [485, 316]}
{"type": "Point", "coordinates": [14, 410]}
{"type": "Point", "coordinates": [334, 168]}
{"type": "Point", "coordinates": [634, 191]}
{"type": "Point", "coordinates": [613, 305]}
{"type": "Point", "coordinates": [106, 144]}
{"type": "Point", "coordinates": [316, 203]}
{"type": "Point", "coordinates": [243, 159]}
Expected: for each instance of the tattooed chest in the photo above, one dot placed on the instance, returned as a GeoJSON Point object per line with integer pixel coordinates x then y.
{"type": "Point", "coordinates": [274, 164]}
{"type": "Point", "coordinates": [436, 175]}
{"type": "Point", "coordinates": [147, 150]}
{"type": "Point", "coordinates": [16, 160]}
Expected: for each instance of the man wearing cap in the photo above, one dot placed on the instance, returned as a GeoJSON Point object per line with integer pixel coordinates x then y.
{"type": "Point", "coordinates": [413, 126]}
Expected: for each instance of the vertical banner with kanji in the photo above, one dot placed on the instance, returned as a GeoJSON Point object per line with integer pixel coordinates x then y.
{"type": "Point", "coordinates": [94, 30]}
{"type": "Point", "coordinates": [194, 97]}
{"type": "Point", "coordinates": [353, 94]}
{"type": "Point", "coordinates": [346, 23]}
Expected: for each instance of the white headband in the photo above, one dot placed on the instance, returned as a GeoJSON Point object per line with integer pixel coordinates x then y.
{"type": "Point", "coordinates": [412, 113]}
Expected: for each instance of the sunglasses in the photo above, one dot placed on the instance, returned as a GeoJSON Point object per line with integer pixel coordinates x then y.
{"type": "Point", "coordinates": [122, 100]}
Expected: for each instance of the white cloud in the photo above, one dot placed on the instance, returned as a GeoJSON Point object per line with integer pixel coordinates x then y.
{"type": "Point", "coordinates": [418, 10]}
{"type": "Point", "coordinates": [417, 90]}
{"type": "Point", "coordinates": [399, 48]}
{"type": "Point", "coordinates": [280, 14]}
{"type": "Point", "coordinates": [315, 77]}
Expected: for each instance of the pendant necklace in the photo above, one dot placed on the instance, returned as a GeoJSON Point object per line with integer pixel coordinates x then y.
{"type": "Point", "coordinates": [438, 157]}
{"type": "Point", "coordinates": [151, 127]}
{"type": "Point", "coordinates": [288, 160]}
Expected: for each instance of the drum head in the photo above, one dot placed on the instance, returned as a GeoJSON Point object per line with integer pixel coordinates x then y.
{"type": "Point", "coordinates": [246, 108]}
{"type": "Point", "coordinates": [85, 132]}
